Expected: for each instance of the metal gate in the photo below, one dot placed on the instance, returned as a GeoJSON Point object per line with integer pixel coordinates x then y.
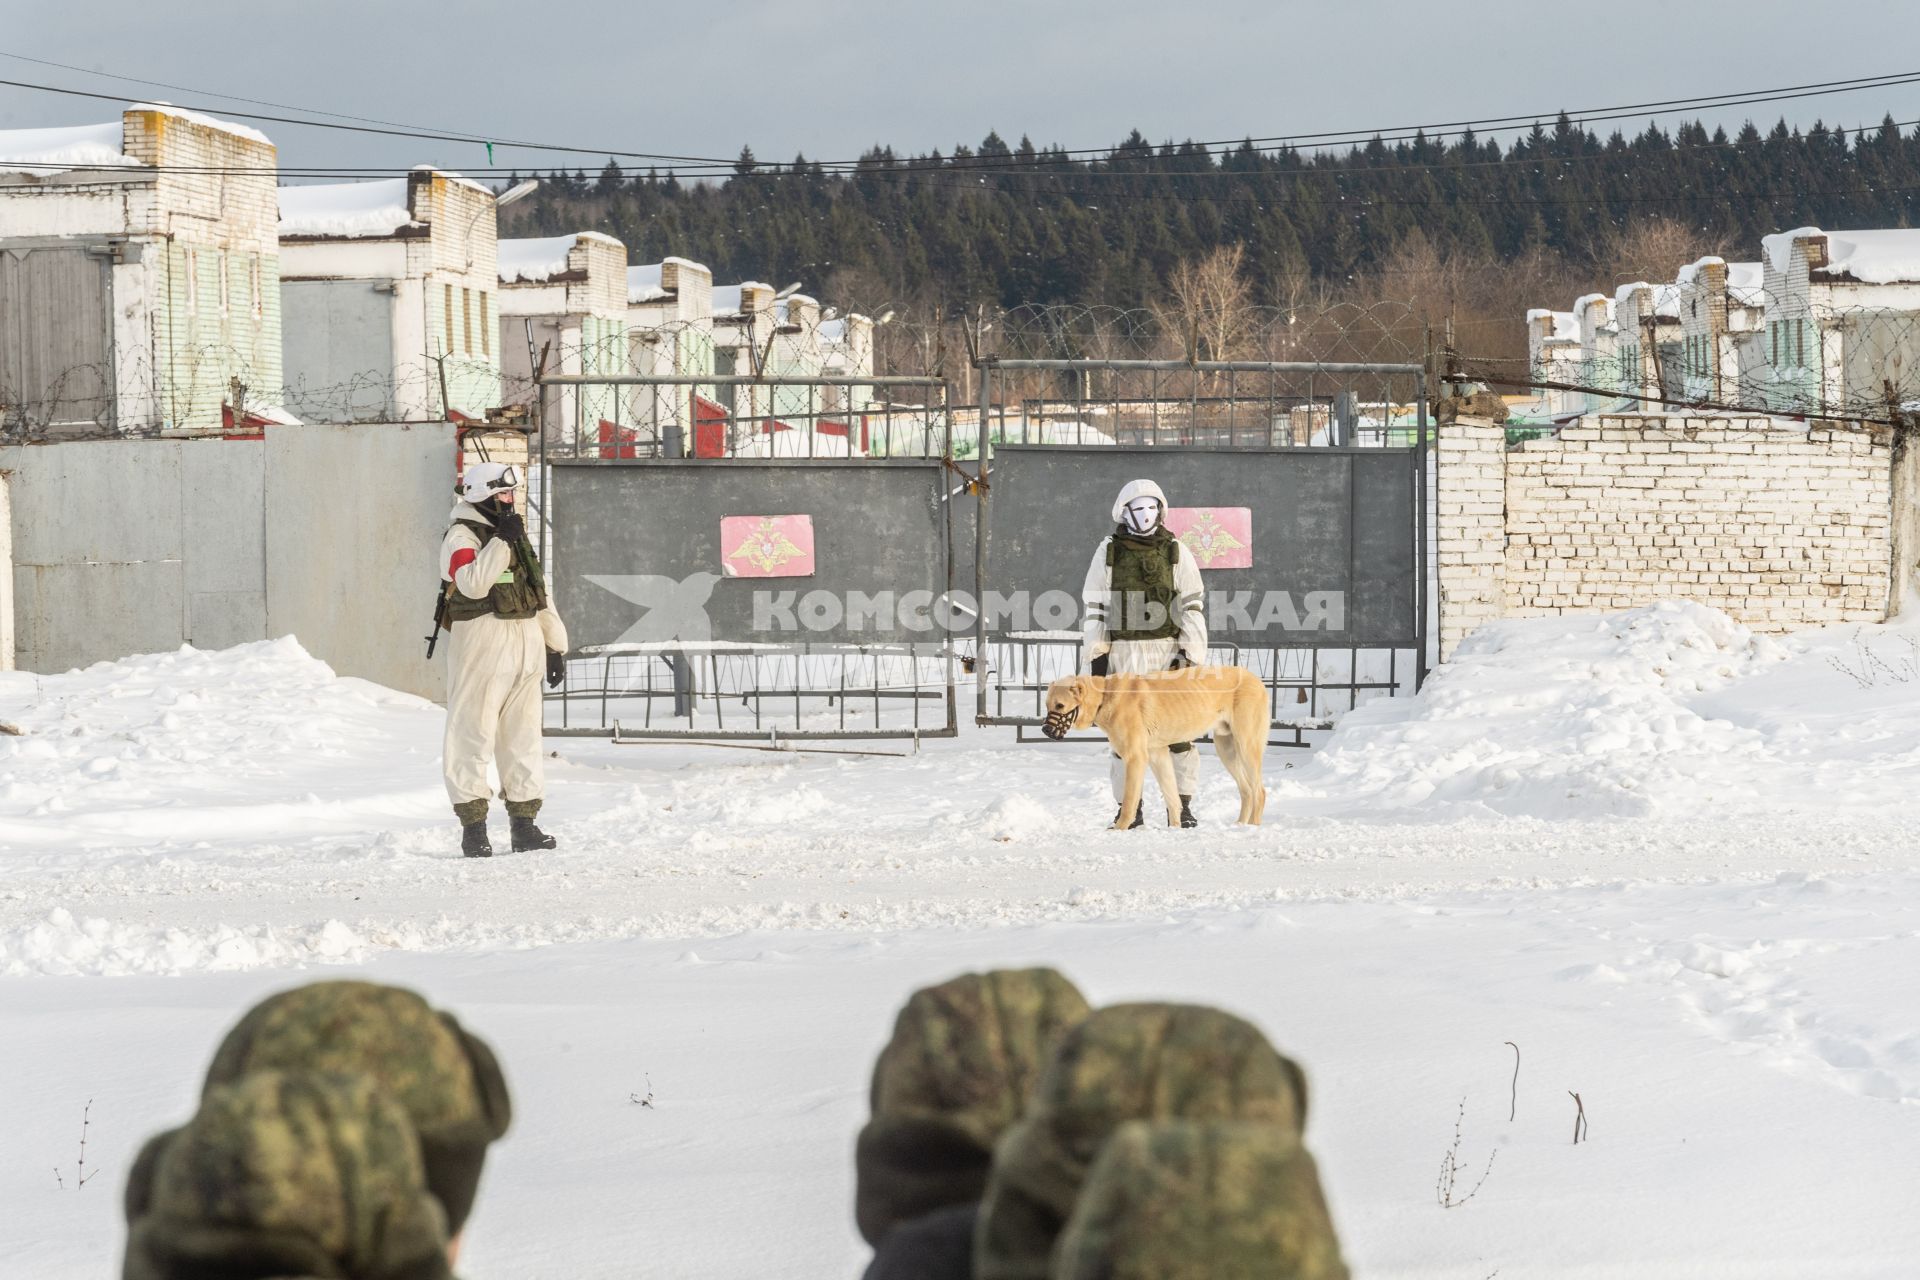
{"type": "Point", "coordinates": [1303, 496]}
{"type": "Point", "coordinates": [766, 579]}
{"type": "Point", "coordinates": [56, 338]}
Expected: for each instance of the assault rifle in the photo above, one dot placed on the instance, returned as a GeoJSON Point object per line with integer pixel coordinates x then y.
{"type": "Point", "coordinates": [441, 600]}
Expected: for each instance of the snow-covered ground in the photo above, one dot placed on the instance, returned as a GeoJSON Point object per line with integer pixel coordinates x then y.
{"type": "Point", "coordinates": [1675, 863]}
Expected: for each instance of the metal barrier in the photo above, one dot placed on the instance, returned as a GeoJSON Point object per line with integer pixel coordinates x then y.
{"type": "Point", "coordinates": [740, 582]}
{"type": "Point", "coordinates": [1329, 463]}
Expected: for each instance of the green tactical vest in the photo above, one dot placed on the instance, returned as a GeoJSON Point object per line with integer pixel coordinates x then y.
{"type": "Point", "coordinates": [510, 597]}
{"type": "Point", "coordinates": [1140, 577]}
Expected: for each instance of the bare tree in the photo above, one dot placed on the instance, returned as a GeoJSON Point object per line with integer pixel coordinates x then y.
{"type": "Point", "coordinates": [1208, 305]}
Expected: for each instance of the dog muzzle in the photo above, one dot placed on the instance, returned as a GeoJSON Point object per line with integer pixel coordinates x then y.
{"type": "Point", "coordinates": [1058, 722]}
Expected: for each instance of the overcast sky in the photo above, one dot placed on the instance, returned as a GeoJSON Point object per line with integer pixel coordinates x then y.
{"type": "Point", "coordinates": [833, 77]}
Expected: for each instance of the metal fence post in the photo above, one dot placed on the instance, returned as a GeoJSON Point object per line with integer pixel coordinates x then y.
{"type": "Point", "coordinates": [980, 542]}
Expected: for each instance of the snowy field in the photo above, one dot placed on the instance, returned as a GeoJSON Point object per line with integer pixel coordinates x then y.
{"type": "Point", "coordinates": [1676, 864]}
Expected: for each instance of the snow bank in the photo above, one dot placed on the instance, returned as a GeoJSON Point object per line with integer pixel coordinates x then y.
{"type": "Point", "coordinates": [1559, 718]}
{"type": "Point", "coordinates": [195, 744]}
{"type": "Point", "coordinates": [62, 946]}
{"type": "Point", "coordinates": [347, 209]}
{"type": "Point", "coordinates": [86, 146]}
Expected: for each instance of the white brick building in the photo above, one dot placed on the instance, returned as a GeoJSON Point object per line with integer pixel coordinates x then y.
{"type": "Point", "coordinates": [569, 295]}
{"type": "Point", "coordinates": [1647, 320]}
{"type": "Point", "coordinates": [1554, 354]}
{"type": "Point", "coordinates": [670, 334]}
{"type": "Point", "coordinates": [388, 291]}
{"type": "Point", "coordinates": [1722, 320]}
{"type": "Point", "coordinates": [1842, 308]}
{"type": "Point", "coordinates": [1599, 350]}
{"type": "Point", "coordinates": [139, 275]}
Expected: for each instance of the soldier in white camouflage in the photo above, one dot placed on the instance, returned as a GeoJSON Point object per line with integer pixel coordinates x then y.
{"type": "Point", "coordinates": [1144, 611]}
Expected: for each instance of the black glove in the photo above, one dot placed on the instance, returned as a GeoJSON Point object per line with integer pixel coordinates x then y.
{"type": "Point", "coordinates": [1179, 660]}
{"type": "Point", "coordinates": [510, 526]}
{"type": "Point", "coordinates": [556, 668]}
{"type": "Point", "coordinates": [1098, 667]}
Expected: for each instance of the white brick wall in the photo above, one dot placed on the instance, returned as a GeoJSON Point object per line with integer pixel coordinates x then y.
{"type": "Point", "coordinates": [1779, 524]}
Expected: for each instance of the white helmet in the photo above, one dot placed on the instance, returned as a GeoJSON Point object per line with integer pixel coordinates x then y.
{"type": "Point", "coordinates": [484, 480]}
{"type": "Point", "coordinates": [1132, 507]}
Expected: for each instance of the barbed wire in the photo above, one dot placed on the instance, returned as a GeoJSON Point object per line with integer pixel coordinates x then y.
{"type": "Point", "coordinates": [1746, 350]}
{"type": "Point", "coordinates": [1757, 356]}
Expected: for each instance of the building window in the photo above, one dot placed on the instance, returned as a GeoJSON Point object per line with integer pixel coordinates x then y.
{"type": "Point", "coordinates": [256, 297]}
{"type": "Point", "coordinates": [486, 325]}
{"type": "Point", "coordinates": [446, 311]}
{"type": "Point", "coordinates": [226, 294]}
{"type": "Point", "coordinates": [193, 281]}
{"type": "Point", "coordinates": [466, 320]}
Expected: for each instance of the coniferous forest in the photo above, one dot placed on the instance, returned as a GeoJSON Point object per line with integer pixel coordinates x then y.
{"type": "Point", "coordinates": [1477, 229]}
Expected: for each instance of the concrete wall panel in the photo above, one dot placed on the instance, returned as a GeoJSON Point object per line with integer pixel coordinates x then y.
{"type": "Point", "coordinates": [355, 515]}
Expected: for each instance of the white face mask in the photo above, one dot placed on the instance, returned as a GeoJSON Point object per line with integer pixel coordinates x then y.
{"type": "Point", "coordinates": [1143, 515]}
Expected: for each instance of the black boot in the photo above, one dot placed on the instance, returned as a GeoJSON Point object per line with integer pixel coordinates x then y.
{"type": "Point", "coordinates": [1139, 817]}
{"type": "Point", "coordinates": [1187, 820]}
{"type": "Point", "coordinates": [474, 842]}
{"type": "Point", "coordinates": [527, 837]}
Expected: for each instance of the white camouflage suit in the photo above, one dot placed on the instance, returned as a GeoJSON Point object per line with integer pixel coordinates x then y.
{"type": "Point", "coordinates": [1129, 657]}
{"type": "Point", "coordinates": [497, 666]}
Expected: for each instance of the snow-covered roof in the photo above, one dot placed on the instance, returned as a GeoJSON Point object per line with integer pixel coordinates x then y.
{"type": "Point", "coordinates": [1565, 323]}
{"type": "Point", "coordinates": [347, 209]}
{"type": "Point", "coordinates": [451, 176]}
{"type": "Point", "coordinates": [94, 146]}
{"type": "Point", "coordinates": [782, 305]}
{"type": "Point", "coordinates": [1746, 283]}
{"type": "Point", "coordinates": [536, 259]}
{"type": "Point", "coordinates": [1666, 297]}
{"type": "Point", "coordinates": [1745, 280]}
{"type": "Point", "coordinates": [643, 284]}
{"type": "Point", "coordinates": [1586, 300]}
{"type": "Point", "coordinates": [1872, 257]}
{"type": "Point", "coordinates": [832, 330]}
{"type": "Point", "coordinates": [83, 146]}
{"type": "Point", "coordinates": [210, 122]}
{"type": "Point", "coordinates": [726, 297]}
{"type": "Point", "coordinates": [1778, 247]}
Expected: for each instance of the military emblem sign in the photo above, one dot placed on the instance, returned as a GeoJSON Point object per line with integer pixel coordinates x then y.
{"type": "Point", "coordinates": [1219, 537]}
{"type": "Point", "coordinates": [766, 546]}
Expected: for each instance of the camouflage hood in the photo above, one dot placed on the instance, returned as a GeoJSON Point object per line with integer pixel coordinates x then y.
{"type": "Point", "coordinates": [1222, 1200]}
{"type": "Point", "coordinates": [286, 1174]}
{"type": "Point", "coordinates": [963, 1059]}
{"type": "Point", "coordinates": [446, 1079]}
{"type": "Point", "coordinates": [1127, 1062]}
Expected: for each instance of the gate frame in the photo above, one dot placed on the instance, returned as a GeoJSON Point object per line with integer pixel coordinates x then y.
{"type": "Point", "coordinates": [773, 736]}
{"type": "Point", "coordinates": [981, 482]}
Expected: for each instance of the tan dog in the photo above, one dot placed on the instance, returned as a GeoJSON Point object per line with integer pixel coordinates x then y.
{"type": "Point", "coordinates": [1144, 714]}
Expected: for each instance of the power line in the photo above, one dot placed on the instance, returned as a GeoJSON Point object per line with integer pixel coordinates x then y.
{"type": "Point", "coordinates": [713, 166]}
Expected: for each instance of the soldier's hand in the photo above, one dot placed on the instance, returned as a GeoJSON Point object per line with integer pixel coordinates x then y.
{"type": "Point", "coordinates": [1179, 660]}
{"type": "Point", "coordinates": [510, 526]}
{"type": "Point", "coordinates": [556, 668]}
